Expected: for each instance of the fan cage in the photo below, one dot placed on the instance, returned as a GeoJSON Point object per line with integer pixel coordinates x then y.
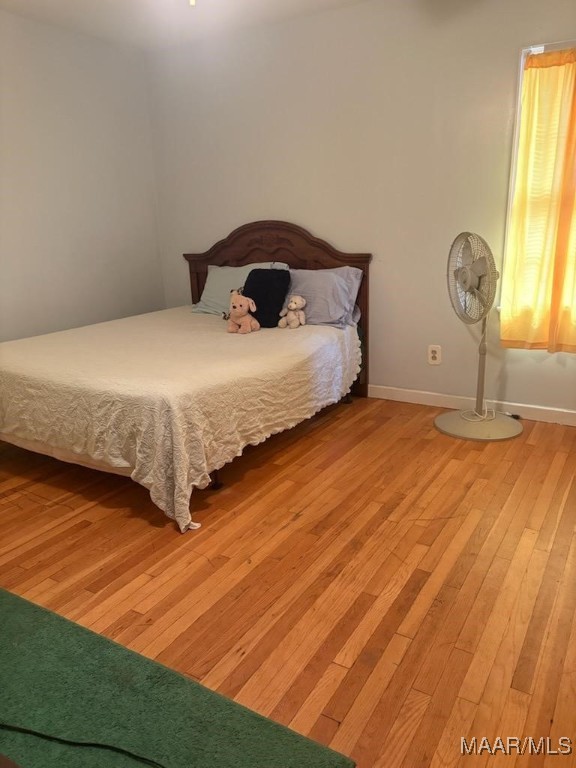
{"type": "Point", "coordinates": [473, 305]}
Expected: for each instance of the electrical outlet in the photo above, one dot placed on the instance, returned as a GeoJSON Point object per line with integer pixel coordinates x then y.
{"type": "Point", "coordinates": [434, 354]}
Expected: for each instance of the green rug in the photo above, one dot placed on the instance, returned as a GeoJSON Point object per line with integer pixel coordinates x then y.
{"type": "Point", "coordinates": [68, 683]}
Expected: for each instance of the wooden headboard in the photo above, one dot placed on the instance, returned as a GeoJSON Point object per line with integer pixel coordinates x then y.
{"type": "Point", "coordinates": [281, 241]}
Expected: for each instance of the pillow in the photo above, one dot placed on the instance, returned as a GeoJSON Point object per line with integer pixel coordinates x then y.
{"type": "Point", "coordinates": [220, 281]}
{"type": "Point", "coordinates": [330, 294]}
{"type": "Point", "coordinates": [268, 289]}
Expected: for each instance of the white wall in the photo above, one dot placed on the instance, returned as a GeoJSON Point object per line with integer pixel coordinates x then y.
{"type": "Point", "coordinates": [384, 127]}
{"type": "Point", "coordinates": [78, 236]}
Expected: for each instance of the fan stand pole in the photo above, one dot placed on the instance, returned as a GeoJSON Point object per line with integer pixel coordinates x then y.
{"type": "Point", "coordinates": [457, 423]}
{"type": "Point", "coordinates": [481, 370]}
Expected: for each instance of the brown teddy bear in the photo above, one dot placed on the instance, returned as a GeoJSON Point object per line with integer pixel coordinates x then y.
{"type": "Point", "coordinates": [239, 319]}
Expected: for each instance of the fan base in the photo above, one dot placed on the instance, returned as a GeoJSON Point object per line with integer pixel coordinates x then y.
{"type": "Point", "coordinates": [500, 428]}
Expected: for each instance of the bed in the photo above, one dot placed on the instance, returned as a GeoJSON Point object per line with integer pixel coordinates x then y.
{"type": "Point", "coordinates": [169, 397]}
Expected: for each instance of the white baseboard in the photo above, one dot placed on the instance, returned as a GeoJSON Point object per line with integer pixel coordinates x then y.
{"type": "Point", "coordinates": [532, 412]}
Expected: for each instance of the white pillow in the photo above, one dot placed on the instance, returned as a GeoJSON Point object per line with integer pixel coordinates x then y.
{"type": "Point", "coordinates": [220, 281]}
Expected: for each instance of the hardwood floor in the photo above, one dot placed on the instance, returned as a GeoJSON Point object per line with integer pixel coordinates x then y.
{"type": "Point", "coordinates": [378, 586]}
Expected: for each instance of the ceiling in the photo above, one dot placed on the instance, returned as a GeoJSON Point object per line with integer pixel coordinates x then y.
{"type": "Point", "coordinates": [161, 23]}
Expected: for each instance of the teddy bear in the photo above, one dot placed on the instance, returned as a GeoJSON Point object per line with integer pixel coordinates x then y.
{"type": "Point", "coordinates": [293, 316]}
{"type": "Point", "coordinates": [239, 319]}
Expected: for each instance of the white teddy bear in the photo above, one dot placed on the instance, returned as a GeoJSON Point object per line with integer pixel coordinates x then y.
{"type": "Point", "coordinates": [293, 316]}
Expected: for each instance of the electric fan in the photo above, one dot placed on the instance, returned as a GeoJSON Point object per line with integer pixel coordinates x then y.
{"type": "Point", "coordinates": [472, 278]}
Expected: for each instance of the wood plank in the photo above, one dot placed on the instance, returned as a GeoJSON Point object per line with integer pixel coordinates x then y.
{"type": "Point", "coordinates": [402, 732]}
{"type": "Point", "coordinates": [555, 565]}
{"type": "Point", "coordinates": [554, 651]}
{"type": "Point", "coordinates": [431, 727]}
{"type": "Point", "coordinates": [368, 696]}
{"type": "Point", "coordinates": [304, 685]}
{"type": "Point", "coordinates": [496, 695]}
{"type": "Point", "coordinates": [457, 727]}
{"type": "Point", "coordinates": [473, 686]}
{"type": "Point", "coordinates": [378, 726]}
{"type": "Point", "coordinates": [375, 647]}
{"type": "Point", "coordinates": [311, 708]}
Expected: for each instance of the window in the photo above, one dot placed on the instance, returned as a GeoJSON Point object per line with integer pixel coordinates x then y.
{"type": "Point", "coordinates": [538, 304]}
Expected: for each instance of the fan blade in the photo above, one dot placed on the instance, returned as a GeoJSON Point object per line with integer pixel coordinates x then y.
{"type": "Point", "coordinates": [467, 257]}
{"type": "Point", "coordinates": [480, 267]}
{"type": "Point", "coordinates": [480, 297]}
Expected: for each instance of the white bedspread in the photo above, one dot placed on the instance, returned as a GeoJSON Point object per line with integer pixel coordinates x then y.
{"type": "Point", "coordinates": [168, 397]}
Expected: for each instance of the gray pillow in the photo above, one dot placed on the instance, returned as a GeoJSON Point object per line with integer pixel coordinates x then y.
{"type": "Point", "coordinates": [220, 281]}
{"type": "Point", "coordinates": [330, 294]}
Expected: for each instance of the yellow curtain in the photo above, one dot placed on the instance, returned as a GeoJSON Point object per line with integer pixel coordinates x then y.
{"type": "Point", "coordinates": [538, 303]}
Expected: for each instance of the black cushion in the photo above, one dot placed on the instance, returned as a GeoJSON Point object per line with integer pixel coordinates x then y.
{"type": "Point", "coordinates": [268, 289]}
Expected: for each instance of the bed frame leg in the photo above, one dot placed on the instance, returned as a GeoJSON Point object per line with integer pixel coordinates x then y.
{"type": "Point", "coordinates": [347, 399]}
{"type": "Point", "coordinates": [215, 483]}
